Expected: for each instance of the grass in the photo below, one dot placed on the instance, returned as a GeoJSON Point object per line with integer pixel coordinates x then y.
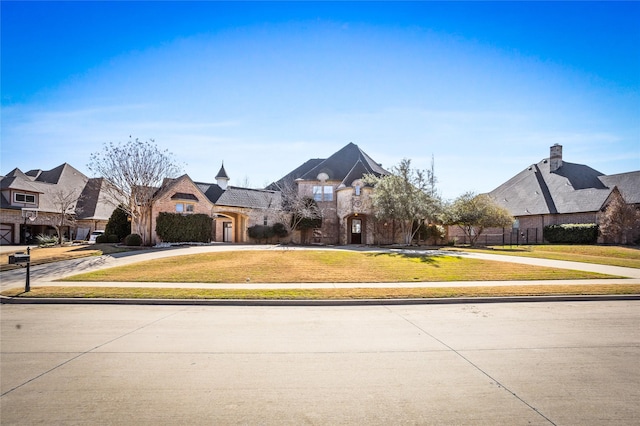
{"type": "Point", "coordinates": [604, 255]}
{"type": "Point", "coordinates": [41, 255]}
{"type": "Point", "coordinates": [312, 266]}
{"type": "Point", "coordinates": [323, 294]}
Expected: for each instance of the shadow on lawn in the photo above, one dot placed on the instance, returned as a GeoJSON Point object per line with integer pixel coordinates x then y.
{"type": "Point", "coordinates": [431, 258]}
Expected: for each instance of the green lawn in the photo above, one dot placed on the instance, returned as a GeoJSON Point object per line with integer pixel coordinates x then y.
{"type": "Point", "coordinates": [324, 294]}
{"type": "Point", "coordinates": [603, 255]}
{"type": "Point", "coordinates": [312, 266]}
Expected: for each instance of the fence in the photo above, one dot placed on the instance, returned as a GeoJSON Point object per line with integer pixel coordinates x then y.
{"type": "Point", "coordinates": [510, 237]}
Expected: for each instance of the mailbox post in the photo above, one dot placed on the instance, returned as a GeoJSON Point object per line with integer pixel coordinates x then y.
{"type": "Point", "coordinates": [23, 259]}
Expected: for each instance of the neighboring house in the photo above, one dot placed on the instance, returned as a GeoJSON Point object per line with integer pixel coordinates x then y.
{"type": "Point", "coordinates": [555, 192]}
{"type": "Point", "coordinates": [233, 209]}
{"type": "Point", "coordinates": [31, 204]}
{"type": "Point", "coordinates": [335, 183]}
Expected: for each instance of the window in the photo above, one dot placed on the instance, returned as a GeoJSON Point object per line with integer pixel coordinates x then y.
{"type": "Point", "coordinates": [24, 198]}
{"type": "Point", "coordinates": [323, 193]}
{"type": "Point", "coordinates": [184, 208]}
{"type": "Point", "coordinates": [358, 190]}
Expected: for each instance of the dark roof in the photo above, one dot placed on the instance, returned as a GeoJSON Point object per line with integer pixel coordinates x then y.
{"type": "Point", "coordinates": [346, 165]}
{"type": "Point", "coordinates": [627, 183]}
{"type": "Point", "coordinates": [573, 188]}
{"type": "Point", "coordinates": [340, 164]}
{"type": "Point", "coordinates": [65, 179]}
{"type": "Point", "coordinates": [222, 174]}
{"type": "Point", "coordinates": [211, 190]}
{"type": "Point", "coordinates": [94, 201]}
{"type": "Point", "coordinates": [184, 196]}
{"type": "Point", "coordinates": [252, 198]}
{"type": "Point", "coordinates": [295, 174]}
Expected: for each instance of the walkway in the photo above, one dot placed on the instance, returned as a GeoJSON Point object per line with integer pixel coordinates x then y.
{"type": "Point", "coordinates": [45, 275]}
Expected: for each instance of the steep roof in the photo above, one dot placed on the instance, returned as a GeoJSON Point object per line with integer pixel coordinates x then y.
{"type": "Point", "coordinates": [346, 165]}
{"type": "Point", "coordinates": [59, 182]}
{"type": "Point", "coordinates": [294, 174]}
{"type": "Point", "coordinates": [222, 173]}
{"type": "Point", "coordinates": [94, 201]}
{"type": "Point", "coordinates": [573, 188]}
{"type": "Point", "coordinates": [627, 183]}
{"type": "Point", "coordinates": [338, 166]}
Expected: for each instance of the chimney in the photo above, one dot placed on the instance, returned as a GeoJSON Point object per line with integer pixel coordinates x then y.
{"type": "Point", "coordinates": [555, 160]}
{"type": "Point", "coordinates": [222, 179]}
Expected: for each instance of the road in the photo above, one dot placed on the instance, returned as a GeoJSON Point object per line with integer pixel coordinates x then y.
{"type": "Point", "coordinates": [514, 364]}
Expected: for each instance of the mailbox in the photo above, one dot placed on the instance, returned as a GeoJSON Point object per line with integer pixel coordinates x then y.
{"type": "Point", "coordinates": [19, 258]}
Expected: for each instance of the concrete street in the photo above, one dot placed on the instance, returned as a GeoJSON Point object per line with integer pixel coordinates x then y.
{"type": "Point", "coordinates": [513, 364]}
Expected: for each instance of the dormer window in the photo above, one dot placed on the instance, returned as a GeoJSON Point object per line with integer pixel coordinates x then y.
{"type": "Point", "coordinates": [23, 198]}
{"type": "Point", "coordinates": [358, 190]}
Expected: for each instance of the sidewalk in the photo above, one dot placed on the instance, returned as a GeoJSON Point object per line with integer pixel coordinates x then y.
{"type": "Point", "coordinates": [45, 275]}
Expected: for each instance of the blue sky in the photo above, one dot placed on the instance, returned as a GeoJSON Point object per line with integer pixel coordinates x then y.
{"type": "Point", "coordinates": [484, 87]}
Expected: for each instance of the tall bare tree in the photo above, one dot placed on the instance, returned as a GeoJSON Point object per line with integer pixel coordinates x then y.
{"type": "Point", "coordinates": [65, 203]}
{"type": "Point", "coordinates": [134, 171]}
{"type": "Point", "coordinates": [302, 212]}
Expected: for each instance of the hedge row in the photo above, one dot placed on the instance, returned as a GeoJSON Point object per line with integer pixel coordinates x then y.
{"type": "Point", "coordinates": [265, 232]}
{"type": "Point", "coordinates": [575, 233]}
{"type": "Point", "coordinates": [178, 228]}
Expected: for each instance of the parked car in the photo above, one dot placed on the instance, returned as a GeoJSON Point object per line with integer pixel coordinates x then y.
{"type": "Point", "coordinates": [94, 235]}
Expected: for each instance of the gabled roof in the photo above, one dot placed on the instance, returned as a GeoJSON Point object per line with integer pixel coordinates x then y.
{"type": "Point", "coordinates": [342, 162]}
{"type": "Point", "coordinates": [346, 165]}
{"type": "Point", "coordinates": [94, 201]}
{"type": "Point", "coordinates": [169, 183]}
{"type": "Point", "coordinates": [59, 182]}
{"type": "Point", "coordinates": [627, 183]}
{"type": "Point", "coordinates": [573, 188]}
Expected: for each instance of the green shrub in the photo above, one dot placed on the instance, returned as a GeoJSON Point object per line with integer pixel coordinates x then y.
{"type": "Point", "coordinates": [280, 230]}
{"type": "Point", "coordinates": [102, 239]}
{"type": "Point", "coordinates": [118, 225]}
{"type": "Point", "coordinates": [178, 228]}
{"type": "Point", "coordinates": [113, 238]}
{"type": "Point", "coordinates": [573, 233]}
{"type": "Point", "coordinates": [260, 232]}
{"type": "Point", "coordinates": [133, 240]}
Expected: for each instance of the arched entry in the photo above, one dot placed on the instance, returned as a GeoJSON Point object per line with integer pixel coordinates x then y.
{"type": "Point", "coordinates": [230, 227]}
{"type": "Point", "coordinates": [355, 229]}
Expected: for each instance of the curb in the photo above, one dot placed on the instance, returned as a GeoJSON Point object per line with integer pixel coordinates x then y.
{"type": "Point", "coordinates": [356, 302]}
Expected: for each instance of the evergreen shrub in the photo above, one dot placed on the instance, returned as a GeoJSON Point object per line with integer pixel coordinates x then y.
{"type": "Point", "coordinates": [133, 240]}
{"type": "Point", "coordinates": [178, 228]}
{"type": "Point", "coordinates": [118, 225]}
{"type": "Point", "coordinates": [573, 233]}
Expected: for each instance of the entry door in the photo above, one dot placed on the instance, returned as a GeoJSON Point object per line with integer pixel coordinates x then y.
{"type": "Point", "coordinates": [227, 232]}
{"type": "Point", "coordinates": [356, 231]}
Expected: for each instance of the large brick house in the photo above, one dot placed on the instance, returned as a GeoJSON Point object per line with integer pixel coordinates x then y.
{"type": "Point", "coordinates": [31, 204]}
{"type": "Point", "coordinates": [233, 209]}
{"type": "Point", "coordinates": [555, 192]}
{"type": "Point", "coordinates": [336, 184]}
